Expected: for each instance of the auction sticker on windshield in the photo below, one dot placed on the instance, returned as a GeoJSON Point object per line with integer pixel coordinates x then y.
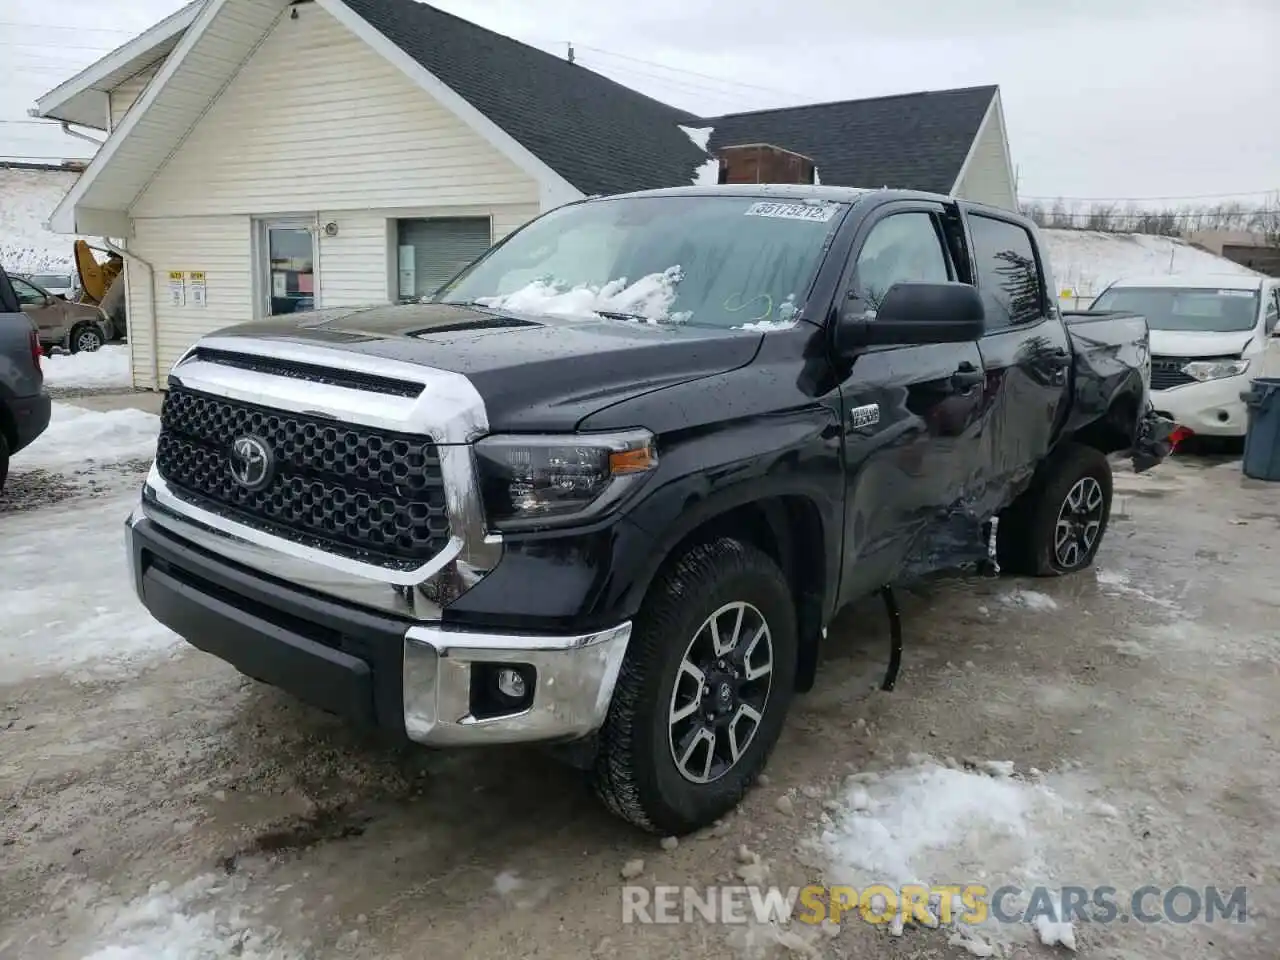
{"type": "Point", "coordinates": [820, 213]}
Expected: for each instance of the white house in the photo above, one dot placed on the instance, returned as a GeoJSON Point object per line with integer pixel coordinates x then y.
{"type": "Point", "coordinates": [265, 155]}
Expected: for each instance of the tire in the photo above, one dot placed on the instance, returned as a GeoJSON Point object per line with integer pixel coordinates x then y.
{"type": "Point", "coordinates": [84, 339]}
{"type": "Point", "coordinates": [4, 461]}
{"type": "Point", "coordinates": [637, 772]}
{"type": "Point", "coordinates": [1027, 537]}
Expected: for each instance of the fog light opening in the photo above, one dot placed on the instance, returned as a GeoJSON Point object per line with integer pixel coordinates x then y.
{"type": "Point", "coordinates": [500, 689]}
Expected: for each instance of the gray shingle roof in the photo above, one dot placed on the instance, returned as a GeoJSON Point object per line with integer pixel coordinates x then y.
{"type": "Point", "coordinates": [603, 137]}
{"type": "Point", "coordinates": [599, 135]}
{"type": "Point", "coordinates": [916, 141]}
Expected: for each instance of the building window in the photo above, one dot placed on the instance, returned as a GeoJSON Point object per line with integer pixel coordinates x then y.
{"type": "Point", "coordinates": [430, 252]}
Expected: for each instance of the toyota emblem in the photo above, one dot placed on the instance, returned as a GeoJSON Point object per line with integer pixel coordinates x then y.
{"type": "Point", "coordinates": [251, 463]}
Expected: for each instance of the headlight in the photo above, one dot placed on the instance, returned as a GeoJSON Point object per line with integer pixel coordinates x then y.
{"type": "Point", "coordinates": [530, 481]}
{"type": "Point", "coordinates": [1203, 370]}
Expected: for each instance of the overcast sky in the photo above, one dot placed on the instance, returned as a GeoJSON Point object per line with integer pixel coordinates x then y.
{"type": "Point", "coordinates": [1103, 98]}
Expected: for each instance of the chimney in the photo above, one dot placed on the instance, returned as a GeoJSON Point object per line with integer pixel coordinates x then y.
{"type": "Point", "coordinates": [764, 163]}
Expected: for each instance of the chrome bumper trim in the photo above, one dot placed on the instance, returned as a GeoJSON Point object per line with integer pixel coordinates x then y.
{"type": "Point", "coordinates": [574, 686]}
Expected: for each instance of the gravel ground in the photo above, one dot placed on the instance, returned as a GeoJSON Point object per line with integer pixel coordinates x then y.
{"type": "Point", "coordinates": [281, 833]}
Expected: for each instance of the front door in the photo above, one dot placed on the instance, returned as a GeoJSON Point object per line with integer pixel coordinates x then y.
{"type": "Point", "coordinates": [910, 413]}
{"type": "Point", "coordinates": [43, 310]}
{"type": "Point", "coordinates": [286, 266]}
{"type": "Point", "coordinates": [1026, 356]}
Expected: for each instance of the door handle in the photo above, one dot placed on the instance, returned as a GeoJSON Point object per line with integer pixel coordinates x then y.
{"type": "Point", "coordinates": [967, 376]}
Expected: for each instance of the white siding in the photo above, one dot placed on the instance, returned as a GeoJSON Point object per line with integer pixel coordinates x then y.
{"type": "Point", "coordinates": [220, 246]}
{"type": "Point", "coordinates": [987, 179]}
{"type": "Point", "coordinates": [123, 96]}
{"type": "Point", "coordinates": [358, 265]}
{"type": "Point", "coordinates": [355, 267]}
{"type": "Point", "coordinates": [316, 119]}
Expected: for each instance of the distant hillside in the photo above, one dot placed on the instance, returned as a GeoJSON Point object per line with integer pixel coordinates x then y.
{"type": "Point", "coordinates": [1086, 261]}
{"type": "Point", "coordinates": [27, 199]}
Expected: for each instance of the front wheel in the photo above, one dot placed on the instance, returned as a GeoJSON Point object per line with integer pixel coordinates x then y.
{"type": "Point", "coordinates": [1057, 526]}
{"type": "Point", "coordinates": [703, 691]}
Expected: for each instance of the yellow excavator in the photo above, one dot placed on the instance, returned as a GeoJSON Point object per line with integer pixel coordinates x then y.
{"type": "Point", "coordinates": [102, 284]}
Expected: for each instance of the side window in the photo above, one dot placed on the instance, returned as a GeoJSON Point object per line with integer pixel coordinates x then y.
{"type": "Point", "coordinates": [902, 246]}
{"type": "Point", "coordinates": [1273, 310]}
{"type": "Point", "coordinates": [1008, 275]}
{"type": "Point", "coordinates": [27, 294]}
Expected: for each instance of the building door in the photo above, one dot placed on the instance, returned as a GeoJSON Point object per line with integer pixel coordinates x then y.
{"type": "Point", "coordinates": [286, 267]}
{"type": "Point", "coordinates": [430, 252]}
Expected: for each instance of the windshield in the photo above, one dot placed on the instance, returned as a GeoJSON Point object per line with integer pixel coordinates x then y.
{"type": "Point", "coordinates": [1210, 310]}
{"type": "Point", "coordinates": [727, 262]}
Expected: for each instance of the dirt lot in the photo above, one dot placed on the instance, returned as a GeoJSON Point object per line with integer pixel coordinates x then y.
{"type": "Point", "coordinates": [1149, 687]}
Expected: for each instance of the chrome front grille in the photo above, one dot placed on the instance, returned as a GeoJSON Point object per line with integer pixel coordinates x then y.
{"type": "Point", "coordinates": [358, 491]}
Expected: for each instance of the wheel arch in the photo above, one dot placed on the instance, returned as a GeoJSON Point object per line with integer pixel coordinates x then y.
{"type": "Point", "coordinates": [787, 525]}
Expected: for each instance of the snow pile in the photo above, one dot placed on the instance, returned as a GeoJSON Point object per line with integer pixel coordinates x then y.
{"type": "Point", "coordinates": [650, 298]}
{"type": "Point", "coordinates": [1086, 261]}
{"type": "Point", "coordinates": [27, 200]}
{"type": "Point", "coordinates": [106, 367]}
{"type": "Point", "coordinates": [77, 437]}
{"type": "Point", "coordinates": [187, 922]}
{"type": "Point", "coordinates": [935, 825]}
{"type": "Point", "coordinates": [708, 172]}
{"type": "Point", "coordinates": [67, 597]}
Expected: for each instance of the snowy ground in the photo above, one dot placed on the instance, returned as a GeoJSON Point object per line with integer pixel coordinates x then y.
{"type": "Point", "coordinates": [1111, 728]}
{"type": "Point", "coordinates": [105, 367]}
{"type": "Point", "coordinates": [27, 200]}
{"type": "Point", "coordinates": [1086, 261]}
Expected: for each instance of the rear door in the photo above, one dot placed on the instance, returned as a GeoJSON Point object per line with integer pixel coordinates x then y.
{"type": "Point", "coordinates": [910, 412]}
{"type": "Point", "coordinates": [1026, 353]}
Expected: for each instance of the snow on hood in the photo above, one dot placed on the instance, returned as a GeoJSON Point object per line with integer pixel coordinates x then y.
{"type": "Point", "coordinates": [650, 298]}
{"type": "Point", "coordinates": [1199, 343]}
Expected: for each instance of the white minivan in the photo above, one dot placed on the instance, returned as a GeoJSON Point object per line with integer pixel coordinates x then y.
{"type": "Point", "coordinates": [1209, 337]}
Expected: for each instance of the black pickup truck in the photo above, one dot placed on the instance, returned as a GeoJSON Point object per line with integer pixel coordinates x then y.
{"type": "Point", "coordinates": [607, 488]}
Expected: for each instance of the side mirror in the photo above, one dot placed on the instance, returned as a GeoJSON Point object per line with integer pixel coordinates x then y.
{"type": "Point", "coordinates": [916, 313]}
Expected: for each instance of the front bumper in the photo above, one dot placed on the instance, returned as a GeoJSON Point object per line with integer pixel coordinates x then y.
{"type": "Point", "coordinates": [413, 679]}
{"type": "Point", "coordinates": [1212, 408]}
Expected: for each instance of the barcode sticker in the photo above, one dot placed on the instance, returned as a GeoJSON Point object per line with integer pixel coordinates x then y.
{"type": "Point", "coordinates": [816, 212]}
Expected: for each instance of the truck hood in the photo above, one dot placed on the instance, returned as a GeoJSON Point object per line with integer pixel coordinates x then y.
{"type": "Point", "coordinates": [1199, 343]}
{"type": "Point", "coordinates": [535, 373]}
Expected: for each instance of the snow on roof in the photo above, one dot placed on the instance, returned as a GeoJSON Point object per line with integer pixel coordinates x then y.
{"type": "Point", "coordinates": [27, 200]}
{"type": "Point", "coordinates": [708, 172]}
{"type": "Point", "coordinates": [1087, 261]}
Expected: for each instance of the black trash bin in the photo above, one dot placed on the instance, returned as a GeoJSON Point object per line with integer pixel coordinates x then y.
{"type": "Point", "coordinates": [1262, 442]}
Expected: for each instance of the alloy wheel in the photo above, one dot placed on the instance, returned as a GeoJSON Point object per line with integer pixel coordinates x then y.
{"type": "Point", "coordinates": [1079, 522]}
{"type": "Point", "coordinates": [721, 692]}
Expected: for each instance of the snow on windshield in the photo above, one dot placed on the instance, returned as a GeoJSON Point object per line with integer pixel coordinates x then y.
{"type": "Point", "coordinates": [648, 299]}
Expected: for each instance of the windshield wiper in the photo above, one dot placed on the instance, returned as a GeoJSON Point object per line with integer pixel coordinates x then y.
{"type": "Point", "coordinates": [615, 315]}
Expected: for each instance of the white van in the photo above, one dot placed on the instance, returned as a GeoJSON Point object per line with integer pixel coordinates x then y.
{"type": "Point", "coordinates": [1209, 336]}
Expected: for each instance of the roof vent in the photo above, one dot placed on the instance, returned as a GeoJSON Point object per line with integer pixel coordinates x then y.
{"type": "Point", "coordinates": [764, 163]}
